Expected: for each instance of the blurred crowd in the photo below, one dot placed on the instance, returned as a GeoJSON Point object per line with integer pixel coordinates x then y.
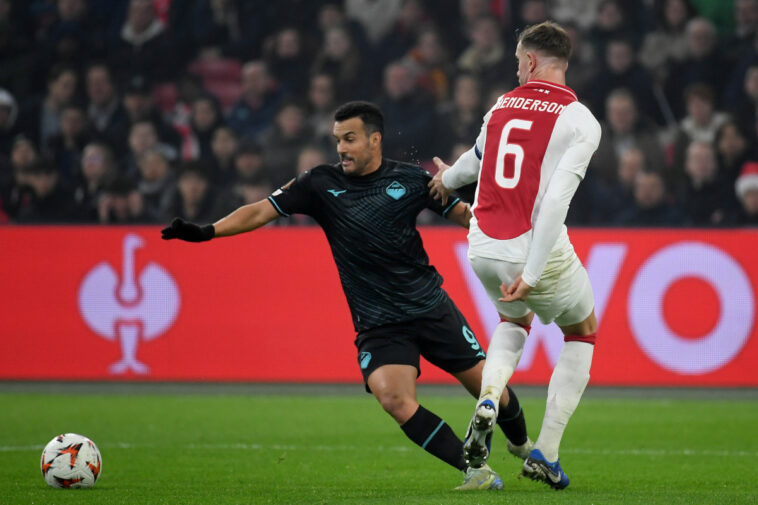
{"type": "Point", "coordinates": [136, 111]}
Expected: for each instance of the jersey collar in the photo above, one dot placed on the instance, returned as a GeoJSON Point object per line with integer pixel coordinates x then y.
{"type": "Point", "coordinates": [536, 82]}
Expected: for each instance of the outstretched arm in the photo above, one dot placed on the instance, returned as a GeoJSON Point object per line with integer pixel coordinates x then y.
{"type": "Point", "coordinates": [244, 219]}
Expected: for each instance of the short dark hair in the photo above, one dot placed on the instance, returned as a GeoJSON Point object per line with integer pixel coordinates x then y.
{"type": "Point", "coordinates": [547, 37]}
{"type": "Point", "coordinates": [700, 90]}
{"type": "Point", "coordinates": [370, 114]}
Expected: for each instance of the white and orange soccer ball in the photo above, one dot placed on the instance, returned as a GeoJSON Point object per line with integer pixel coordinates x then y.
{"type": "Point", "coordinates": [71, 461]}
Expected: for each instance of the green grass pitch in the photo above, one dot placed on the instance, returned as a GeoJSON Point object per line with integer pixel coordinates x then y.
{"type": "Point", "coordinates": [296, 448]}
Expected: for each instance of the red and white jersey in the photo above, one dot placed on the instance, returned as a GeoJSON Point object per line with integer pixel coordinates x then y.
{"type": "Point", "coordinates": [522, 143]}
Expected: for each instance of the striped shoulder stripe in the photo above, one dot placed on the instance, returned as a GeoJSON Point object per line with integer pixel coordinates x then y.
{"type": "Point", "coordinates": [280, 211]}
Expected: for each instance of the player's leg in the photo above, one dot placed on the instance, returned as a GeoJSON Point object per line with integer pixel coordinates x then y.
{"type": "Point", "coordinates": [509, 415]}
{"type": "Point", "coordinates": [389, 361]}
{"type": "Point", "coordinates": [394, 386]}
{"type": "Point", "coordinates": [503, 354]}
{"type": "Point", "coordinates": [567, 383]}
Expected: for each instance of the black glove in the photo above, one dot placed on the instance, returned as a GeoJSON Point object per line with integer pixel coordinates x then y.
{"type": "Point", "coordinates": [191, 232]}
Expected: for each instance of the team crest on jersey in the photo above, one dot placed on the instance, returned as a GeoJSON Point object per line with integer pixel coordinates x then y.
{"type": "Point", "coordinates": [396, 190]}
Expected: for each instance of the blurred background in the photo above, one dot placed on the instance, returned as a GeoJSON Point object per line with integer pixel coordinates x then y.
{"type": "Point", "coordinates": [131, 112]}
{"type": "Point", "coordinates": [135, 111]}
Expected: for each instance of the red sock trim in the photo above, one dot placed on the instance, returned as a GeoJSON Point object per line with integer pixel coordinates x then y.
{"type": "Point", "coordinates": [587, 339]}
{"type": "Point", "coordinates": [527, 327]}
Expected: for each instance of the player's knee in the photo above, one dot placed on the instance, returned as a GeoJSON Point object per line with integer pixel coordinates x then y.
{"type": "Point", "coordinates": [399, 406]}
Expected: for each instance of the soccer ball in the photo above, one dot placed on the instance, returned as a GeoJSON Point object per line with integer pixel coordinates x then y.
{"type": "Point", "coordinates": [71, 461]}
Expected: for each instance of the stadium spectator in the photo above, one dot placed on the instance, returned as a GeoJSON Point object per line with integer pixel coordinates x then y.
{"type": "Point", "coordinates": [376, 18]}
{"type": "Point", "coordinates": [411, 110]}
{"type": "Point", "coordinates": [193, 198]}
{"type": "Point", "coordinates": [156, 182]}
{"type": "Point", "coordinates": [224, 144]}
{"type": "Point", "coordinates": [142, 138]}
{"type": "Point", "coordinates": [404, 33]}
{"type": "Point", "coordinates": [651, 204]}
{"type": "Point", "coordinates": [668, 41]}
{"type": "Point", "coordinates": [340, 58]}
{"type": "Point", "coordinates": [121, 203]}
{"type": "Point", "coordinates": [227, 28]}
{"type": "Point", "coordinates": [531, 12]}
{"type": "Point", "coordinates": [621, 70]}
{"type": "Point", "coordinates": [432, 67]}
{"type": "Point", "coordinates": [40, 119]}
{"type": "Point", "coordinates": [177, 104]}
{"type": "Point", "coordinates": [143, 47]}
{"type": "Point", "coordinates": [458, 28]}
{"type": "Point", "coordinates": [701, 122]}
{"type": "Point", "coordinates": [104, 110]}
{"type": "Point", "coordinates": [746, 188]}
{"type": "Point", "coordinates": [249, 165]}
{"type": "Point", "coordinates": [623, 129]}
{"type": "Point", "coordinates": [43, 198]}
{"type": "Point", "coordinates": [581, 13]}
{"type": "Point", "coordinates": [97, 169]}
{"type": "Point", "coordinates": [72, 37]}
{"type": "Point", "coordinates": [610, 24]}
{"type": "Point", "coordinates": [732, 149]}
{"type": "Point", "coordinates": [330, 15]}
{"type": "Point", "coordinates": [703, 64]}
{"type": "Point", "coordinates": [321, 102]}
{"type": "Point", "coordinates": [459, 120]}
{"type": "Point", "coordinates": [746, 113]}
{"type": "Point", "coordinates": [745, 25]}
{"type": "Point", "coordinates": [487, 56]}
{"type": "Point", "coordinates": [288, 61]}
{"type": "Point", "coordinates": [604, 204]}
{"type": "Point", "coordinates": [261, 96]}
{"type": "Point", "coordinates": [139, 105]}
{"type": "Point", "coordinates": [283, 141]}
{"type": "Point", "coordinates": [205, 117]}
{"type": "Point", "coordinates": [65, 148]}
{"type": "Point", "coordinates": [706, 197]}
{"type": "Point", "coordinates": [13, 188]}
{"type": "Point", "coordinates": [8, 120]}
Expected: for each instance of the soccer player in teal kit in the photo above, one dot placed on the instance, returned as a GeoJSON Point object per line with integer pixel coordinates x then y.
{"type": "Point", "coordinates": [367, 206]}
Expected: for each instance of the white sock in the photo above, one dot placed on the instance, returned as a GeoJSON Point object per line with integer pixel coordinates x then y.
{"type": "Point", "coordinates": [503, 355]}
{"type": "Point", "coordinates": [570, 377]}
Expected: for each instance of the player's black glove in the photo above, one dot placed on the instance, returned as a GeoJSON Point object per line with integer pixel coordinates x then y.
{"type": "Point", "coordinates": [191, 232]}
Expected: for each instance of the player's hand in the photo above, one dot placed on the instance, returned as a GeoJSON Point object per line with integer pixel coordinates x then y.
{"type": "Point", "coordinates": [519, 290]}
{"type": "Point", "coordinates": [436, 188]}
{"type": "Point", "coordinates": [191, 232]}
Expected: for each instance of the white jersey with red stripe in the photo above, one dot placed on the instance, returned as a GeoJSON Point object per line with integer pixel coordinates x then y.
{"type": "Point", "coordinates": [521, 145]}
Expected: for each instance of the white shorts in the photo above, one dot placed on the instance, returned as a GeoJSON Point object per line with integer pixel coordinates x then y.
{"type": "Point", "coordinates": [563, 293]}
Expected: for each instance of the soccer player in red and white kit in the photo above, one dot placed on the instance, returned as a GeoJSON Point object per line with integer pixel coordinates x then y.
{"type": "Point", "coordinates": [529, 159]}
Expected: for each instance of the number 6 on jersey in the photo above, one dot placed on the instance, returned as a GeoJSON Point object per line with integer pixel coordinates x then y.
{"type": "Point", "coordinates": [504, 149]}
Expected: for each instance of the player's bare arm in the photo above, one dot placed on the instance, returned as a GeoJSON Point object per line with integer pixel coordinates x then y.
{"type": "Point", "coordinates": [246, 218]}
{"type": "Point", "coordinates": [460, 214]}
